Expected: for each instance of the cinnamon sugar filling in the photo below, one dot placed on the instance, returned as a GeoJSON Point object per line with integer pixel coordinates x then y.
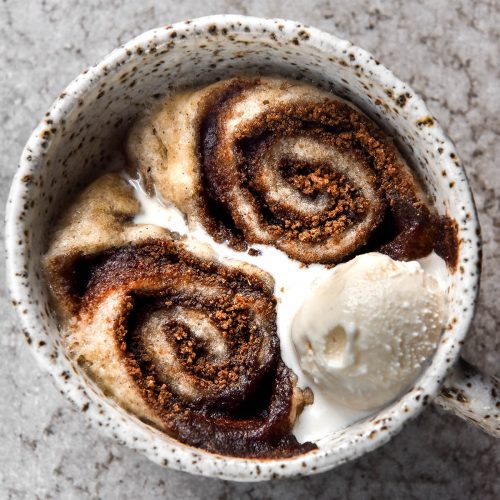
{"type": "Point", "coordinates": [200, 342]}
{"type": "Point", "coordinates": [232, 170]}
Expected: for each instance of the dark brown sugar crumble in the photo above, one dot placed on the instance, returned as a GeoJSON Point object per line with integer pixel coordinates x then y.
{"type": "Point", "coordinates": [236, 397]}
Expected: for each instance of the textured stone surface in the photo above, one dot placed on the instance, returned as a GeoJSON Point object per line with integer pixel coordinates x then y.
{"type": "Point", "coordinates": [448, 51]}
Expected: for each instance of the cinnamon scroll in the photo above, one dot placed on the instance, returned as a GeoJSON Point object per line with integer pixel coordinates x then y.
{"type": "Point", "coordinates": [184, 342]}
{"type": "Point", "coordinates": [270, 161]}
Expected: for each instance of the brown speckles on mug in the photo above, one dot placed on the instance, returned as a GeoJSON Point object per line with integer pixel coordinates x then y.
{"type": "Point", "coordinates": [472, 396]}
{"type": "Point", "coordinates": [426, 121]}
{"type": "Point", "coordinates": [94, 112]}
{"type": "Point", "coordinates": [402, 99]}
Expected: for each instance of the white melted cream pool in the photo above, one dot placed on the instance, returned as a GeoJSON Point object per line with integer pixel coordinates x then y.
{"type": "Point", "coordinates": [293, 283]}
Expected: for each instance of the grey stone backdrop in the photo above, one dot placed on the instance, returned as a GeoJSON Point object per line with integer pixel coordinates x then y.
{"type": "Point", "coordinates": [447, 50]}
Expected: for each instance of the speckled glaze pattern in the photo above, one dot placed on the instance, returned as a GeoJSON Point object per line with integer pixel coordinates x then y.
{"type": "Point", "coordinates": [90, 118]}
{"type": "Point", "coordinates": [473, 396]}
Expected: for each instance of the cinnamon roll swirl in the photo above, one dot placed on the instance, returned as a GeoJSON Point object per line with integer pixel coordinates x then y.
{"type": "Point", "coordinates": [187, 344]}
{"type": "Point", "coordinates": [270, 161]}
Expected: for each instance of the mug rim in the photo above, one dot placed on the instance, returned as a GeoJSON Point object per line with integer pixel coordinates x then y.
{"type": "Point", "coordinates": [195, 460]}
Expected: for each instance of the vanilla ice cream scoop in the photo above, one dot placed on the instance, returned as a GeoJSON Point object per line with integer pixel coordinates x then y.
{"type": "Point", "coordinates": [364, 334]}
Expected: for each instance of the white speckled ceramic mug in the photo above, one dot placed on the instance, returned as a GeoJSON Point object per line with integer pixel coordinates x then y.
{"type": "Point", "coordinates": [90, 118]}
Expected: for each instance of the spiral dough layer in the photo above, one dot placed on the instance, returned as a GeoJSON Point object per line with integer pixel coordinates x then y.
{"type": "Point", "coordinates": [185, 343]}
{"type": "Point", "coordinates": [263, 160]}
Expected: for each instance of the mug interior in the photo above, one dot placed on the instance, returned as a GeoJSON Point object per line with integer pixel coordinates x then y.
{"type": "Point", "coordinates": [89, 120]}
